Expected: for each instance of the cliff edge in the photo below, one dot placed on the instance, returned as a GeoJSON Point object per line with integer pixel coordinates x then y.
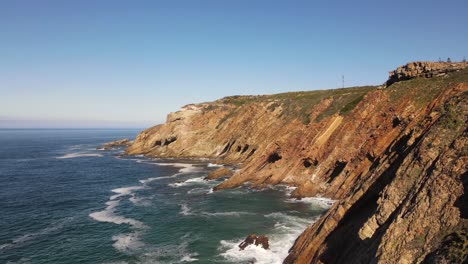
{"type": "Point", "coordinates": [393, 158]}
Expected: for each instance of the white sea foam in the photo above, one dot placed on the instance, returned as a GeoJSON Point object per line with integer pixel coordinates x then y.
{"type": "Point", "coordinates": [185, 210]}
{"type": "Point", "coordinates": [127, 242]}
{"type": "Point", "coordinates": [317, 201]}
{"type": "Point", "coordinates": [122, 242]}
{"type": "Point", "coordinates": [108, 215]}
{"type": "Point", "coordinates": [158, 178]}
{"type": "Point", "coordinates": [197, 191]}
{"type": "Point", "coordinates": [79, 155]}
{"type": "Point", "coordinates": [188, 258]}
{"type": "Point", "coordinates": [180, 165]}
{"type": "Point", "coordinates": [125, 191]}
{"type": "Point", "coordinates": [214, 165]}
{"type": "Point", "coordinates": [234, 213]}
{"type": "Point", "coordinates": [198, 180]}
{"type": "Point", "coordinates": [285, 232]}
{"type": "Point", "coordinates": [178, 253]}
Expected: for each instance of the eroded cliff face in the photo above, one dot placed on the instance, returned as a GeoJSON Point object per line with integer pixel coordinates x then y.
{"type": "Point", "coordinates": [394, 159]}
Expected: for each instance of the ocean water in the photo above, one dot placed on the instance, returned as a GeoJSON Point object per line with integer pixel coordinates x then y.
{"type": "Point", "coordinates": [63, 201]}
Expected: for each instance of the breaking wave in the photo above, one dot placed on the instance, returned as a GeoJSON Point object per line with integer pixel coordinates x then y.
{"type": "Point", "coordinates": [286, 230]}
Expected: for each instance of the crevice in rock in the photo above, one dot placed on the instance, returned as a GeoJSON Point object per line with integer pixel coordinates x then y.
{"type": "Point", "coordinates": [228, 147]}
{"type": "Point", "coordinates": [169, 141]}
{"type": "Point", "coordinates": [274, 157]}
{"type": "Point", "coordinates": [251, 153]}
{"type": "Point", "coordinates": [246, 147]}
{"type": "Point", "coordinates": [396, 121]}
{"type": "Point", "coordinates": [346, 234]}
{"type": "Point", "coordinates": [308, 162]}
{"type": "Point", "coordinates": [337, 169]}
{"type": "Point", "coordinates": [462, 201]}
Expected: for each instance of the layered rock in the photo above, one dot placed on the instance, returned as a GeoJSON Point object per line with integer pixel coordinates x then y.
{"type": "Point", "coordinates": [394, 159]}
{"type": "Point", "coordinates": [117, 143]}
{"type": "Point", "coordinates": [424, 69]}
{"type": "Point", "coordinates": [219, 173]}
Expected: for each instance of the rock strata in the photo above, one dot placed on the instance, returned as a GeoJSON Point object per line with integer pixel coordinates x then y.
{"type": "Point", "coordinates": [117, 143]}
{"type": "Point", "coordinates": [424, 69]}
{"type": "Point", "coordinates": [394, 159]}
{"type": "Point", "coordinates": [219, 173]}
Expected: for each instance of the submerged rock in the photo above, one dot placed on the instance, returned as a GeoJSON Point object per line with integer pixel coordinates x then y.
{"type": "Point", "coordinates": [253, 239]}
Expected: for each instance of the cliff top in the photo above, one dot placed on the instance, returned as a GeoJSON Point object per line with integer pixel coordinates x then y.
{"type": "Point", "coordinates": [300, 104]}
{"type": "Point", "coordinates": [425, 69]}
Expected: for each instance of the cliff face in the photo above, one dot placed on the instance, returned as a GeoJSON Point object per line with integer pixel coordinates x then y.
{"type": "Point", "coordinates": [394, 159]}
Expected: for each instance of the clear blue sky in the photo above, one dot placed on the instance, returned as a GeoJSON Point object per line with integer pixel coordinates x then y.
{"type": "Point", "coordinates": [128, 63]}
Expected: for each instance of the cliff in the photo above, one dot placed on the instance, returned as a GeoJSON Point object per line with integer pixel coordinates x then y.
{"type": "Point", "coordinates": [393, 158]}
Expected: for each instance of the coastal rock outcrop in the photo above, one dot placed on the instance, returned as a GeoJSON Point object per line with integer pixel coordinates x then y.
{"type": "Point", "coordinates": [424, 69]}
{"type": "Point", "coordinates": [219, 173]}
{"type": "Point", "coordinates": [394, 159]}
{"type": "Point", "coordinates": [117, 143]}
{"type": "Point", "coordinates": [253, 239]}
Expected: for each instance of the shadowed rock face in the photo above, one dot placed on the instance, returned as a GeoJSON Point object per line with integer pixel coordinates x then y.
{"type": "Point", "coordinates": [394, 158]}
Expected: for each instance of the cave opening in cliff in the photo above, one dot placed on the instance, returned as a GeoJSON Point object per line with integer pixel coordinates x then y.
{"type": "Point", "coordinates": [396, 121]}
{"type": "Point", "coordinates": [169, 141]}
{"type": "Point", "coordinates": [251, 153]}
{"type": "Point", "coordinates": [228, 147]}
{"type": "Point", "coordinates": [308, 162]}
{"type": "Point", "coordinates": [274, 157]}
{"type": "Point", "coordinates": [338, 168]}
{"type": "Point", "coordinates": [246, 147]}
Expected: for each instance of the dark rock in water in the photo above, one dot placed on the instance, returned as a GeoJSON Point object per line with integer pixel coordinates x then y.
{"type": "Point", "coordinates": [256, 240]}
{"type": "Point", "coordinates": [118, 143]}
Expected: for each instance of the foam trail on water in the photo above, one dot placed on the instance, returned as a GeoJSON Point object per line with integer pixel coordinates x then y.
{"type": "Point", "coordinates": [124, 191]}
{"type": "Point", "coordinates": [234, 213]}
{"type": "Point", "coordinates": [186, 168]}
{"type": "Point", "coordinates": [123, 242]}
{"type": "Point", "coordinates": [108, 215]}
{"type": "Point", "coordinates": [185, 210]}
{"type": "Point", "coordinates": [318, 201]}
{"type": "Point", "coordinates": [127, 242]}
{"type": "Point", "coordinates": [21, 240]}
{"type": "Point", "coordinates": [198, 180]}
{"type": "Point", "coordinates": [79, 155]}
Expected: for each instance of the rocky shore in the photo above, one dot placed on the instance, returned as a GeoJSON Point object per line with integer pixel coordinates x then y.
{"type": "Point", "coordinates": [395, 159]}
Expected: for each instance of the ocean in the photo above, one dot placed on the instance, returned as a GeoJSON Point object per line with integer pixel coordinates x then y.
{"type": "Point", "coordinates": [64, 201]}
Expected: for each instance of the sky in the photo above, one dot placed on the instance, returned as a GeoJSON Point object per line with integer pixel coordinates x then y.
{"type": "Point", "coordinates": [129, 63]}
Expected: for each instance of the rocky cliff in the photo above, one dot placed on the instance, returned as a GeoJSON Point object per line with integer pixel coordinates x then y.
{"type": "Point", "coordinates": [393, 158]}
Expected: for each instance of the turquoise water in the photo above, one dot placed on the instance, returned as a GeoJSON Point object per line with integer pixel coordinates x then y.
{"type": "Point", "coordinates": [63, 201]}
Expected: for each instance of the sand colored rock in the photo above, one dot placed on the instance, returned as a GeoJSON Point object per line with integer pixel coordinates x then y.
{"type": "Point", "coordinates": [117, 143]}
{"type": "Point", "coordinates": [218, 173]}
{"type": "Point", "coordinates": [394, 159]}
{"type": "Point", "coordinates": [424, 69]}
